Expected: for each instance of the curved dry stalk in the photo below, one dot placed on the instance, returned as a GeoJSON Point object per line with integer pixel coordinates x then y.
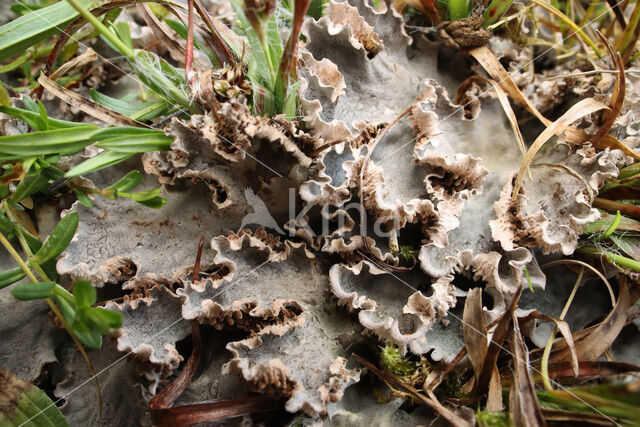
{"type": "Point", "coordinates": [544, 364]}
{"type": "Point", "coordinates": [617, 97]}
{"type": "Point", "coordinates": [87, 105]}
{"type": "Point", "coordinates": [582, 108]}
{"type": "Point", "coordinates": [590, 267]}
{"type": "Point", "coordinates": [504, 101]}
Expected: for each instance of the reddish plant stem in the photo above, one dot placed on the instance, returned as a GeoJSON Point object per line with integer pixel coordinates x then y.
{"type": "Point", "coordinates": [196, 265]}
{"type": "Point", "coordinates": [188, 57]}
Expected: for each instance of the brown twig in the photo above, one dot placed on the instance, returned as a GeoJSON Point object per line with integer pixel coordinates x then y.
{"type": "Point", "coordinates": [429, 400]}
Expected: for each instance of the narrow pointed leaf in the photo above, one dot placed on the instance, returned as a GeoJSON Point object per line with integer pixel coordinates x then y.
{"type": "Point", "coordinates": [9, 277]}
{"type": "Point", "coordinates": [65, 141]}
{"type": "Point", "coordinates": [31, 119]}
{"type": "Point", "coordinates": [28, 186]}
{"type": "Point", "coordinates": [27, 30]}
{"type": "Point", "coordinates": [111, 318]}
{"type": "Point", "coordinates": [30, 291]}
{"type": "Point", "coordinates": [139, 111]}
{"type": "Point", "coordinates": [101, 161]}
{"type": "Point", "coordinates": [58, 240]}
{"type": "Point", "coordinates": [155, 203]}
{"type": "Point", "coordinates": [127, 182]}
{"type": "Point", "coordinates": [25, 404]}
{"type": "Point", "coordinates": [142, 196]}
{"type": "Point", "coordinates": [137, 144]}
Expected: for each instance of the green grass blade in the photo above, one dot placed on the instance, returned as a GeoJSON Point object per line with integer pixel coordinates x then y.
{"type": "Point", "coordinates": [58, 240]}
{"type": "Point", "coordinates": [139, 111]}
{"type": "Point", "coordinates": [64, 141]}
{"type": "Point", "coordinates": [21, 33]}
{"type": "Point", "coordinates": [137, 144]}
{"type": "Point", "coordinates": [101, 161]}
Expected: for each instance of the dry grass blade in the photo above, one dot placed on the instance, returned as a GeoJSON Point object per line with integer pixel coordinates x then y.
{"type": "Point", "coordinates": [523, 401]}
{"type": "Point", "coordinates": [494, 68]}
{"type": "Point", "coordinates": [564, 329]}
{"type": "Point", "coordinates": [86, 105]}
{"type": "Point", "coordinates": [575, 418]}
{"type": "Point", "coordinates": [494, 396]}
{"type": "Point", "coordinates": [581, 109]}
{"type": "Point", "coordinates": [87, 57]}
{"type": "Point", "coordinates": [490, 63]}
{"type": "Point", "coordinates": [215, 411]}
{"type": "Point", "coordinates": [429, 400]}
{"type": "Point", "coordinates": [475, 330]}
{"type": "Point", "coordinates": [217, 43]}
{"type": "Point", "coordinates": [497, 339]}
{"type": "Point", "coordinates": [504, 101]}
{"type": "Point", "coordinates": [168, 40]}
{"type": "Point", "coordinates": [594, 344]}
{"type": "Point", "coordinates": [588, 266]}
{"type": "Point", "coordinates": [600, 368]}
{"type": "Point", "coordinates": [617, 97]}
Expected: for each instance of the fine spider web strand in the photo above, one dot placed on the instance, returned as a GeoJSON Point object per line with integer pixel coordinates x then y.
{"type": "Point", "coordinates": [560, 386]}
{"type": "Point", "coordinates": [85, 382]}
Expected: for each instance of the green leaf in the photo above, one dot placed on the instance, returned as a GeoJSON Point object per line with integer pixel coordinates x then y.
{"type": "Point", "coordinates": [140, 111]}
{"type": "Point", "coordinates": [58, 240]}
{"type": "Point", "coordinates": [127, 182]}
{"type": "Point", "coordinates": [90, 338]}
{"type": "Point", "coordinates": [32, 241]}
{"type": "Point", "coordinates": [112, 319]}
{"type": "Point", "coordinates": [44, 119]}
{"type": "Point", "coordinates": [142, 196]}
{"type": "Point", "coordinates": [93, 321]}
{"type": "Point", "coordinates": [29, 185]}
{"type": "Point", "coordinates": [67, 309]}
{"type": "Point", "coordinates": [4, 191]}
{"type": "Point", "coordinates": [122, 31]}
{"type": "Point", "coordinates": [260, 67]}
{"type": "Point", "coordinates": [264, 102]}
{"type": "Point", "coordinates": [5, 98]}
{"type": "Point", "coordinates": [6, 226]}
{"type": "Point", "coordinates": [30, 291]}
{"type": "Point", "coordinates": [101, 161]}
{"type": "Point", "coordinates": [137, 144]}
{"type": "Point", "coordinates": [116, 132]}
{"type": "Point", "coordinates": [24, 8]}
{"type": "Point", "coordinates": [9, 277]}
{"type": "Point", "coordinates": [17, 35]}
{"type": "Point", "coordinates": [65, 141]}
{"type": "Point", "coordinates": [31, 105]}
{"type": "Point", "coordinates": [85, 293]}
{"type": "Point", "coordinates": [26, 405]}
{"type": "Point", "coordinates": [83, 198]}
{"type": "Point", "coordinates": [31, 119]}
{"type": "Point", "coordinates": [155, 203]}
